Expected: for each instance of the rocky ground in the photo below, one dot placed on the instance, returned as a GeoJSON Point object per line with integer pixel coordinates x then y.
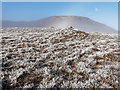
{"type": "Point", "coordinates": [67, 58]}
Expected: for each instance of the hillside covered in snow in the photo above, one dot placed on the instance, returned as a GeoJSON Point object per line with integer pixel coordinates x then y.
{"type": "Point", "coordinates": [65, 58]}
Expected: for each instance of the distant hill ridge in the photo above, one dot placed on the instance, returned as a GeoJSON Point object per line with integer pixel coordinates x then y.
{"type": "Point", "coordinates": [79, 22]}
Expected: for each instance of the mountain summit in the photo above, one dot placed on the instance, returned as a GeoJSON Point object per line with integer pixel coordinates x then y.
{"type": "Point", "coordinates": [79, 22]}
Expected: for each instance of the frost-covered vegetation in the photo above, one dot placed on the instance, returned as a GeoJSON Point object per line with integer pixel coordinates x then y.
{"type": "Point", "coordinates": [67, 58]}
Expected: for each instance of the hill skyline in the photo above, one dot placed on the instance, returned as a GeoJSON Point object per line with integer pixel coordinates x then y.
{"type": "Point", "coordinates": [79, 22]}
{"type": "Point", "coordinates": [103, 12]}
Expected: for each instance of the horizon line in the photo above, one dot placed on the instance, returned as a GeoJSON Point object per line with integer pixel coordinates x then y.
{"type": "Point", "coordinates": [61, 16]}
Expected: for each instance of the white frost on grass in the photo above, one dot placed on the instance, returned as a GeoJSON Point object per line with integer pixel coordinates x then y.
{"type": "Point", "coordinates": [49, 57]}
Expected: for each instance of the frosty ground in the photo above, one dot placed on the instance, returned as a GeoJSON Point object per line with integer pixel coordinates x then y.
{"type": "Point", "coordinates": [66, 58]}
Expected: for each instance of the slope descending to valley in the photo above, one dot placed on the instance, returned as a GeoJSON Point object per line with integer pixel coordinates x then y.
{"type": "Point", "coordinates": [49, 57]}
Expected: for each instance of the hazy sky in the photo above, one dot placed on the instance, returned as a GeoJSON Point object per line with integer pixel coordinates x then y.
{"type": "Point", "coordinates": [104, 12]}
